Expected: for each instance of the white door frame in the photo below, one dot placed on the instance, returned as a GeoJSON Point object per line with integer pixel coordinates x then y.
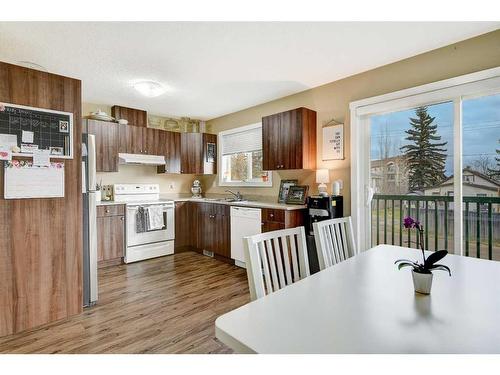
{"type": "Point", "coordinates": [455, 90]}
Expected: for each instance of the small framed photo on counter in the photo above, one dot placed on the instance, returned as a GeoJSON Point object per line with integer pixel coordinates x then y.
{"type": "Point", "coordinates": [284, 186]}
{"type": "Point", "coordinates": [297, 194]}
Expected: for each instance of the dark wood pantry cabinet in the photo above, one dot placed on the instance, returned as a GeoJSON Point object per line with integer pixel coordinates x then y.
{"type": "Point", "coordinates": [289, 140]}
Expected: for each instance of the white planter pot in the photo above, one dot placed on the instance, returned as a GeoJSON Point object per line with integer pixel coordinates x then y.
{"type": "Point", "coordinates": [422, 282]}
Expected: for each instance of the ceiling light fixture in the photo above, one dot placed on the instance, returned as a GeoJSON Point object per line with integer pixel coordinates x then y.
{"type": "Point", "coordinates": [150, 89]}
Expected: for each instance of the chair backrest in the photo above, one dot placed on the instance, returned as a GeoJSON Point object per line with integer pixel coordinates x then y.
{"type": "Point", "coordinates": [275, 259]}
{"type": "Point", "coordinates": [334, 241]}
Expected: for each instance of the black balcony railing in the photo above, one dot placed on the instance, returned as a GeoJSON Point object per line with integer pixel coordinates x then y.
{"type": "Point", "coordinates": [481, 217]}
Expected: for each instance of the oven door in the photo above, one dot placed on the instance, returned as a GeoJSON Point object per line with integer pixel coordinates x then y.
{"type": "Point", "coordinates": [158, 235]}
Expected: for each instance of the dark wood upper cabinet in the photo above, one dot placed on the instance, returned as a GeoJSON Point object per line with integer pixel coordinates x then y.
{"type": "Point", "coordinates": [135, 117]}
{"type": "Point", "coordinates": [106, 142]}
{"type": "Point", "coordinates": [194, 153]}
{"type": "Point", "coordinates": [172, 142]}
{"type": "Point", "coordinates": [289, 140]}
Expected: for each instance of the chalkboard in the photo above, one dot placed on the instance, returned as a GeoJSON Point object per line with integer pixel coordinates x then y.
{"type": "Point", "coordinates": [52, 130]}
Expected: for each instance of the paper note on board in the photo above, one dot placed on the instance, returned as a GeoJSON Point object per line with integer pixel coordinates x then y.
{"type": "Point", "coordinates": [8, 140]}
{"type": "Point", "coordinates": [27, 136]}
{"type": "Point", "coordinates": [41, 158]}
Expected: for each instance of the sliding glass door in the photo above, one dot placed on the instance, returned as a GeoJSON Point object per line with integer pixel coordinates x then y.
{"type": "Point", "coordinates": [411, 172]}
{"type": "Point", "coordinates": [432, 153]}
{"type": "Point", "coordinates": [481, 176]}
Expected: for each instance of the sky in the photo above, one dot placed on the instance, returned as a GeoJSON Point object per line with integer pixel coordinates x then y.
{"type": "Point", "coordinates": [481, 129]}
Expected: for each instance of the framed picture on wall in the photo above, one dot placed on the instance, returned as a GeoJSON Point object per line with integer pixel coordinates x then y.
{"type": "Point", "coordinates": [284, 187]}
{"type": "Point", "coordinates": [333, 142]}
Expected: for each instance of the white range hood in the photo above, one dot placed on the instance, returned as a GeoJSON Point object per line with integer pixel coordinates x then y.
{"type": "Point", "coordinates": [141, 159]}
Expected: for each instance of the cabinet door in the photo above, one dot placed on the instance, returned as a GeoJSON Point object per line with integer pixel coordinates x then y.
{"type": "Point", "coordinates": [110, 237]}
{"type": "Point", "coordinates": [271, 142]}
{"type": "Point", "coordinates": [222, 241]}
{"type": "Point", "coordinates": [291, 139]}
{"type": "Point", "coordinates": [186, 225]}
{"type": "Point", "coordinates": [173, 154]}
{"type": "Point", "coordinates": [152, 141]}
{"type": "Point", "coordinates": [106, 142]}
{"type": "Point", "coordinates": [132, 139]}
{"type": "Point", "coordinates": [207, 226]}
{"type": "Point", "coordinates": [192, 153]}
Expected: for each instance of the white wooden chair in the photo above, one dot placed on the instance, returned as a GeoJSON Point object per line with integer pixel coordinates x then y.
{"type": "Point", "coordinates": [334, 241]}
{"type": "Point", "coordinates": [275, 259]}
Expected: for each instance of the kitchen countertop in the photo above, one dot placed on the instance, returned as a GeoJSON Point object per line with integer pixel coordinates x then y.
{"type": "Point", "coordinates": [250, 203]}
{"type": "Point", "coordinates": [257, 203]}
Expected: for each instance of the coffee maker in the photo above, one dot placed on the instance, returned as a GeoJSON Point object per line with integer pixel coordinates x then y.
{"type": "Point", "coordinates": [318, 209]}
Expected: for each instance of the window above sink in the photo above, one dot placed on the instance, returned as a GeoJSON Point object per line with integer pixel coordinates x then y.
{"type": "Point", "coordinates": [241, 158]}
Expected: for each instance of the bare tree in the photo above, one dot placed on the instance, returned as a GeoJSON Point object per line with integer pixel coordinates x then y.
{"type": "Point", "coordinates": [483, 164]}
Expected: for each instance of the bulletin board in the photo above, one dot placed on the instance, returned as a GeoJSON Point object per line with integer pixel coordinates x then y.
{"type": "Point", "coordinates": [51, 130]}
{"type": "Point", "coordinates": [24, 180]}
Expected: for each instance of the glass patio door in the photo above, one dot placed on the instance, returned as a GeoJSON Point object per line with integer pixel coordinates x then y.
{"type": "Point", "coordinates": [439, 164]}
{"type": "Point", "coordinates": [411, 174]}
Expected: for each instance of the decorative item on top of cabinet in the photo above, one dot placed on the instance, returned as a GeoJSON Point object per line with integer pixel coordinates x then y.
{"type": "Point", "coordinates": [289, 140]}
{"type": "Point", "coordinates": [106, 144]}
{"type": "Point", "coordinates": [135, 117]}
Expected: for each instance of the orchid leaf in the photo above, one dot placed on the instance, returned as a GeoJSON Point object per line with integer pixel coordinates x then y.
{"type": "Point", "coordinates": [434, 257]}
{"type": "Point", "coordinates": [405, 264]}
{"type": "Point", "coordinates": [441, 267]}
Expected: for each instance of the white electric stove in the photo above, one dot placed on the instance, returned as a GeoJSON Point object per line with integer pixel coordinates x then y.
{"type": "Point", "coordinates": [149, 243]}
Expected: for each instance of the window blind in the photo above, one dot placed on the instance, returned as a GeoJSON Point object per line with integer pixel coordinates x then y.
{"type": "Point", "coordinates": [244, 141]}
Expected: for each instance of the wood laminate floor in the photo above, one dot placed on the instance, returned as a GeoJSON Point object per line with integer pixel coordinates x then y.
{"type": "Point", "coordinates": [163, 305]}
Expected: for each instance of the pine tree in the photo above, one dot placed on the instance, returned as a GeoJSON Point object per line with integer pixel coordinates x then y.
{"type": "Point", "coordinates": [495, 172]}
{"type": "Point", "coordinates": [425, 155]}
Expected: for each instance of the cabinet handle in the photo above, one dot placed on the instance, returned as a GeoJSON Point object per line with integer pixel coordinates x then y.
{"type": "Point", "coordinates": [107, 211]}
{"type": "Point", "coordinates": [122, 218]}
{"type": "Point", "coordinates": [271, 215]}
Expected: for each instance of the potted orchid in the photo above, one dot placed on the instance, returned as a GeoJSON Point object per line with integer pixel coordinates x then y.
{"type": "Point", "coordinates": [422, 272]}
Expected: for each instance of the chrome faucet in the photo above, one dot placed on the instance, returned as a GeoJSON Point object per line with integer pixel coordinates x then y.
{"type": "Point", "coordinates": [238, 195]}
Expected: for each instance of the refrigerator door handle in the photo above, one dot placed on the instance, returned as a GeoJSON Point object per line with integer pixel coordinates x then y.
{"type": "Point", "coordinates": [93, 247]}
{"type": "Point", "coordinates": [91, 162]}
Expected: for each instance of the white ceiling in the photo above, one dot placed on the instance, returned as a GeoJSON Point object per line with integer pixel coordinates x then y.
{"type": "Point", "coordinates": [217, 68]}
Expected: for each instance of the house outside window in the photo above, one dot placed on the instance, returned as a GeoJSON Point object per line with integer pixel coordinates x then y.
{"type": "Point", "coordinates": [241, 158]}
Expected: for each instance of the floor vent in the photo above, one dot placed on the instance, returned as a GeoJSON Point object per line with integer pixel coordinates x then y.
{"type": "Point", "coordinates": [208, 253]}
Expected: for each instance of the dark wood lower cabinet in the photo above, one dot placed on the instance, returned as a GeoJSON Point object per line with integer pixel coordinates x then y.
{"type": "Point", "coordinates": [276, 219]}
{"type": "Point", "coordinates": [214, 228]}
{"type": "Point", "coordinates": [207, 226]}
{"type": "Point", "coordinates": [110, 234]}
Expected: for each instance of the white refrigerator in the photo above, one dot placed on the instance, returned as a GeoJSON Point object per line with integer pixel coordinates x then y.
{"type": "Point", "coordinates": [89, 220]}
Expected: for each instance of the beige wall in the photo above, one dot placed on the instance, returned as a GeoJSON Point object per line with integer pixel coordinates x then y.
{"type": "Point", "coordinates": [332, 101]}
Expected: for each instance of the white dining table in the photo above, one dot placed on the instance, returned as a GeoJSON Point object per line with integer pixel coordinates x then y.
{"type": "Point", "coordinates": [365, 305]}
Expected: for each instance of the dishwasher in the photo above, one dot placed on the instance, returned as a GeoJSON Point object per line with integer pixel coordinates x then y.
{"type": "Point", "coordinates": [244, 222]}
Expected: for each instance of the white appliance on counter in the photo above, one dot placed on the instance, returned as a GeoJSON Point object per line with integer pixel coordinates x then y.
{"type": "Point", "coordinates": [146, 243]}
{"type": "Point", "coordinates": [244, 222]}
